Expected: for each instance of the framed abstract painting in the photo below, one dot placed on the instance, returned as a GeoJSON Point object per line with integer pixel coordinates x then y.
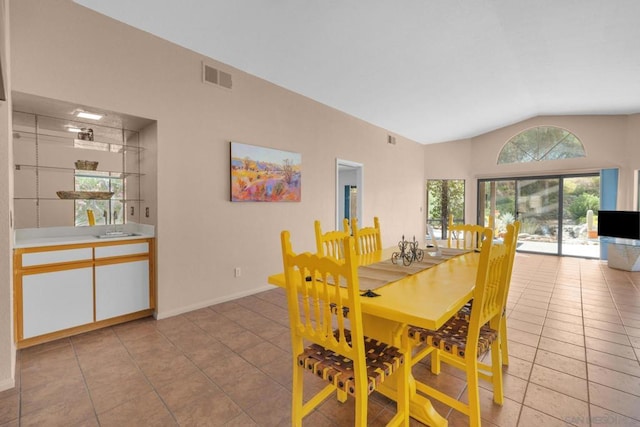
{"type": "Point", "coordinates": [260, 174]}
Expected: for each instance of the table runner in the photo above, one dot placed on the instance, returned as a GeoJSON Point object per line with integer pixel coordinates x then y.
{"type": "Point", "coordinates": [375, 275]}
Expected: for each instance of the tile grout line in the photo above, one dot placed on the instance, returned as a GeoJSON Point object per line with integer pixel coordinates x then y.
{"type": "Point", "coordinates": [608, 287]}
{"type": "Point", "coordinates": [606, 282]}
{"type": "Point", "coordinates": [19, 361]}
{"type": "Point", "coordinates": [584, 336]}
{"type": "Point", "coordinates": [624, 326]}
{"type": "Point", "coordinates": [200, 369]}
{"type": "Point", "coordinates": [84, 379]}
{"type": "Point", "coordinates": [527, 384]}
{"type": "Point", "coordinates": [555, 283]}
{"type": "Point", "coordinates": [526, 388]}
{"type": "Point", "coordinates": [153, 387]}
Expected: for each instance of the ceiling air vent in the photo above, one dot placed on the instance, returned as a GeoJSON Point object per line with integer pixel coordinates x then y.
{"type": "Point", "coordinates": [215, 76]}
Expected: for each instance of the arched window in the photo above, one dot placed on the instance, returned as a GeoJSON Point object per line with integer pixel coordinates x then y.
{"type": "Point", "coordinates": [541, 143]}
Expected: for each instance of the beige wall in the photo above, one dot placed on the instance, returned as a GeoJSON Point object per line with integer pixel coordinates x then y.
{"type": "Point", "coordinates": [7, 349]}
{"type": "Point", "coordinates": [609, 141]}
{"type": "Point", "coordinates": [64, 51]}
{"type": "Point", "coordinates": [452, 160]}
{"type": "Point", "coordinates": [633, 150]}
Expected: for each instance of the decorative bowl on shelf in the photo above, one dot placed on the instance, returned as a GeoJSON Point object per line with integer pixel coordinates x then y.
{"type": "Point", "coordinates": [86, 165]}
{"type": "Point", "coordinates": [98, 195]}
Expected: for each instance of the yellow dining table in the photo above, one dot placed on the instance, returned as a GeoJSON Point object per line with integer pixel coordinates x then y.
{"type": "Point", "coordinates": [426, 299]}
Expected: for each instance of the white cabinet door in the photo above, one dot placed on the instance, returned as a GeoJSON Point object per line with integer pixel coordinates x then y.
{"type": "Point", "coordinates": [56, 300]}
{"type": "Point", "coordinates": [122, 289]}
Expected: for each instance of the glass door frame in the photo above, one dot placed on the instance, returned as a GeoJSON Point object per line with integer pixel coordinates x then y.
{"type": "Point", "coordinates": [560, 208]}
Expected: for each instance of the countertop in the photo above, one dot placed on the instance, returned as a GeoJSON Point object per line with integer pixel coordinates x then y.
{"type": "Point", "coordinates": [53, 236]}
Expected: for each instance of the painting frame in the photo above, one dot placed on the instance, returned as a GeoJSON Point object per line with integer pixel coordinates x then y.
{"type": "Point", "coordinates": [263, 174]}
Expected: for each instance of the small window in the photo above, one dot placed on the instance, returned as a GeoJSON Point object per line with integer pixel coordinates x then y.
{"type": "Point", "coordinates": [444, 197]}
{"type": "Point", "coordinates": [105, 211]}
{"type": "Point", "coordinates": [541, 143]}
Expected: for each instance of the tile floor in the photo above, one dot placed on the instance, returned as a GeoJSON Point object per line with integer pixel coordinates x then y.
{"type": "Point", "coordinates": [574, 336]}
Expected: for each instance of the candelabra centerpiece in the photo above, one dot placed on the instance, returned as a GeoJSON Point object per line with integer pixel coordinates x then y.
{"type": "Point", "coordinates": [409, 252]}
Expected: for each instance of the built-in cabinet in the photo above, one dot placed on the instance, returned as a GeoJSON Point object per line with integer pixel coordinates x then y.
{"type": "Point", "coordinates": [68, 289]}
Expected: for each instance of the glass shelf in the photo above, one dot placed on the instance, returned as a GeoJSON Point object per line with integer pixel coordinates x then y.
{"type": "Point", "coordinates": [95, 145]}
{"type": "Point", "coordinates": [46, 151]}
{"type": "Point", "coordinates": [71, 200]}
{"type": "Point", "coordinates": [82, 172]}
{"type": "Point", "coordinates": [103, 136]}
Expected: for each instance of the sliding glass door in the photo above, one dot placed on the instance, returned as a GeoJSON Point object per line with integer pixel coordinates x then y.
{"type": "Point", "coordinates": [537, 201]}
{"type": "Point", "coordinates": [581, 194]}
{"type": "Point", "coordinates": [557, 213]}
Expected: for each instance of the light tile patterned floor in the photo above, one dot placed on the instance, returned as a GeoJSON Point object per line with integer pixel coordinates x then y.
{"type": "Point", "coordinates": [574, 333]}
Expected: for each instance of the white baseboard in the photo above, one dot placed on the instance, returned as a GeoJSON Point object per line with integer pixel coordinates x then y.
{"type": "Point", "coordinates": [202, 304]}
{"type": "Point", "coordinates": [7, 384]}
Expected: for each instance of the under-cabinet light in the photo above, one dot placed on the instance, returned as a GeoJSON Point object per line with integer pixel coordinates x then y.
{"type": "Point", "coordinates": [86, 115]}
{"type": "Point", "coordinates": [70, 129]}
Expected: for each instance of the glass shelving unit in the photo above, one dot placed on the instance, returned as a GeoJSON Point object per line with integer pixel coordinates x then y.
{"type": "Point", "coordinates": [45, 151]}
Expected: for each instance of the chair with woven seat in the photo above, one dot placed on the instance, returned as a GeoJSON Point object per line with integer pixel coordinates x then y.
{"type": "Point", "coordinates": [464, 236]}
{"type": "Point", "coordinates": [504, 343]}
{"type": "Point", "coordinates": [465, 312]}
{"type": "Point", "coordinates": [331, 242]}
{"type": "Point", "coordinates": [368, 239]}
{"type": "Point", "coordinates": [461, 341]}
{"type": "Point", "coordinates": [328, 319]}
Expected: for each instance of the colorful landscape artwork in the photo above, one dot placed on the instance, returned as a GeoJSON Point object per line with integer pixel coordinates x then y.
{"type": "Point", "coordinates": [260, 174]}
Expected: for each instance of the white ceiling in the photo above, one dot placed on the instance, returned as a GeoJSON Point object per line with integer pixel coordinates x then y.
{"type": "Point", "coordinates": [429, 70]}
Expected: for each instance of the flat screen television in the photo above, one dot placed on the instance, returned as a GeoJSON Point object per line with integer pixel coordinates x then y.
{"type": "Point", "coordinates": [623, 224]}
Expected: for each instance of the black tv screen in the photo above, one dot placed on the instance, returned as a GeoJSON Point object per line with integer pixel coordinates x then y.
{"type": "Point", "coordinates": [623, 224]}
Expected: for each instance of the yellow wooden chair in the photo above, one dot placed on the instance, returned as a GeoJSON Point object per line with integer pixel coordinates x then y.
{"type": "Point", "coordinates": [466, 310]}
{"type": "Point", "coordinates": [345, 224]}
{"type": "Point", "coordinates": [368, 239]}
{"type": "Point", "coordinates": [331, 242]}
{"type": "Point", "coordinates": [329, 317]}
{"type": "Point", "coordinates": [464, 236]}
{"type": "Point", "coordinates": [461, 341]}
{"type": "Point", "coordinates": [504, 344]}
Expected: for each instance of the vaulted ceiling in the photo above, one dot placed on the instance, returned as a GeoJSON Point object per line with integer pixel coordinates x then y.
{"type": "Point", "coordinates": [429, 70]}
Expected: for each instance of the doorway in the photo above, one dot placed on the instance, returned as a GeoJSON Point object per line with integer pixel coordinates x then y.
{"type": "Point", "coordinates": [349, 190]}
{"type": "Point", "coordinates": [558, 213]}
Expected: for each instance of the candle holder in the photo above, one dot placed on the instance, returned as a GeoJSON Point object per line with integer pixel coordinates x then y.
{"type": "Point", "coordinates": [409, 252]}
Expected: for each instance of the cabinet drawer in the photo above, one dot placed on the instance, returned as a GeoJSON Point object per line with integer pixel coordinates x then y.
{"type": "Point", "coordinates": [31, 259]}
{"type": "Point", "coordinates": [122, 250]}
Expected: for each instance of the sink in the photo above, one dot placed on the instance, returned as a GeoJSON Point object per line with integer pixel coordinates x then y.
{"type": "Point", "coordinates": [116, 234]}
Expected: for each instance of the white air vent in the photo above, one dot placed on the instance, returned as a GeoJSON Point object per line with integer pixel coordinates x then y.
{"type": "Point", "coordinates": [215, 76]}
